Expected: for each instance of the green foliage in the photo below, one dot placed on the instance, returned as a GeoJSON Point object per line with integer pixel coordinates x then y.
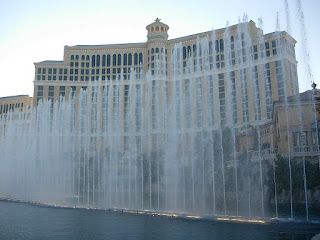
{"type": "Point", "coordinates": [282, 174]}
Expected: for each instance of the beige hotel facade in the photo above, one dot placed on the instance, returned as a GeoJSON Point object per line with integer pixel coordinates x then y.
{"type": "Point", "coordinates": [232, 75]}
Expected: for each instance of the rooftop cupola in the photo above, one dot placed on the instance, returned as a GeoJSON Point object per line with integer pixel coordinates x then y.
{"type": "Point", "coordinates": [157, 31]}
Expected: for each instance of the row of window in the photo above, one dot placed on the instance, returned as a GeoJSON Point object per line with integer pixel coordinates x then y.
{"type": "Point", "coordinates": [4, 108]}
{"type": "Point", "coordinates": [105, 60]}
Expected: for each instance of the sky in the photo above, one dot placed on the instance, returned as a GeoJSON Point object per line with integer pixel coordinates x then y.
{"type": "Point", "coordinates": [37, 30]}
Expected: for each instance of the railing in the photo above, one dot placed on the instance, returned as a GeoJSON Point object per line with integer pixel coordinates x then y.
{"type": "Point", "coordinates": [265, 154]}
{"type": "Point", "coordinates": [305, 151]}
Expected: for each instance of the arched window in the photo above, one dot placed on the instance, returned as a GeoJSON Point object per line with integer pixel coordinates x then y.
{"type": "Point", "coordinates": [184, 52]}
{"type": "Point", "coordinates": [72, 57]}
{"type": "Point", "coordinates": [221, 45]}
{"type": "Point", "coordinates": [119, 59]}
{"type": "Point", "coordinates": [194, 50]}
{"type": "Point", "coordinates": [152, 50]}
{"type": "Point", "coordinates": [125, 56]}
{"type": "Point", "coordinates": [103, 60]}
{"type": "Point", "coordinates": [77, 57]}
{"type": "Point", "coordinates": [210, 47]}
{"type": "Point", "coordinates": [83, 57]}
{"type": "Point", "coordinates": [108, 60]}
{"type": "Point", "coordinates": [232, 38]}
{"type": "Point", "coordinates": [98, 60]}
{"type": "Point", "coordinates": [88, 58]}
{"type": "Point", "coordinates": [93, 61]}
{"type": "Point", "coordinates": [136, 59]}
{"type": "Point", "coordinates": [161, 29]}
{"type": "Point", "coordinates": [140, 58]}
{"type": "Point", "coordinates": [189, 51]}
{"type": "Point", "coordinates": [157, 50]}
{"type": "Point", "coordinates": [217, 46]}
{"type": "Point", "coordinates": [157, 28]}
{"type": "Point", "coordinates": [265, 146]}
{"type": "Point", "coordinates": [114, 60]}
{"type": "Point", "coordinates": [129, 59]}
{"type": "Point", "coordinates": [152, 29]}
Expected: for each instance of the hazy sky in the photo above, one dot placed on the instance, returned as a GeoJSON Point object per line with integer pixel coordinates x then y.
{"type": "Point", "coordinates": [36, 30]}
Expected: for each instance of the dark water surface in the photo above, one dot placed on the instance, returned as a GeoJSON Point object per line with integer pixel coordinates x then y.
{"type": "Point", "coordinates": [27, 221]}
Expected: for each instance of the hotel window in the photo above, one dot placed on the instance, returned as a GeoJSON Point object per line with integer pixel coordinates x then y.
{"type": "Point", "coordinates": [256, 93]}
{"type": "Point", "coordinates": [93, 61]}
{"type": "Point", "coordinates": [136, 59]}
{"type": "Point", "coordinates": [267, 45]}
{"type": "Point", "coordinates": [83, 57]}
{"type": "Point", "coordinates": [222, 99]}
{"type": "Point", "coordinates": [140, 58]}
{"type": "Point", "coordinates": [184, 52]}
{"type": "Point", "coordinates": [300, 139]}
{"type": "Point", "coordinates": [114, 59]}
{"type": "Point", "coordinates": [72, 57]}
{"type": "Point", "coordinates": [43, 71]}
{"type": "Point", "coordinates": [108, 60]}
{"type": "Point", "coordinates": [119, 59]}
{"type": "Point", "coordinates": [188, 51]}
{"type": "Point", "coordinates": [268, 91]}
{"type": "Point", "coordinates": [129, 59]}
{"type": "Point", "coordinates": [194, 48]}
{"type": "Point", "coordinates": [125, 59]}
{"type": "Point", "coordinates": [221, 45]}
{"type": "Point", "coordinates": [234, 95]}
{"type": "Point", "coordinates": [244, 95]}
{"type": "Point", "coordinates": [280, 80]}
{"type": "Point", "coordinates": [98, 60]}
{"type": "Point", "coordinates": [103, 60]}
{"type": "Point", "coordinates": [39, 70]}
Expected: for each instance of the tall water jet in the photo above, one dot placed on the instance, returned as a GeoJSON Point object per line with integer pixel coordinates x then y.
{"type": "Point", "coordinates": [174, 136]}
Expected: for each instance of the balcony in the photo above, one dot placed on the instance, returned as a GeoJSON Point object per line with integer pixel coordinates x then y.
{"type": "Point", "coordinates": [306, 151]}
{"type": "Point", "coordinates": [265, 154]}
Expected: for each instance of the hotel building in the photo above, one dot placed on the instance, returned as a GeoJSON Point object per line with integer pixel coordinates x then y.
{"type": "Point", "coordinates": [229, 76]}
{"type": "Point", "coordinates": [12, 103]}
